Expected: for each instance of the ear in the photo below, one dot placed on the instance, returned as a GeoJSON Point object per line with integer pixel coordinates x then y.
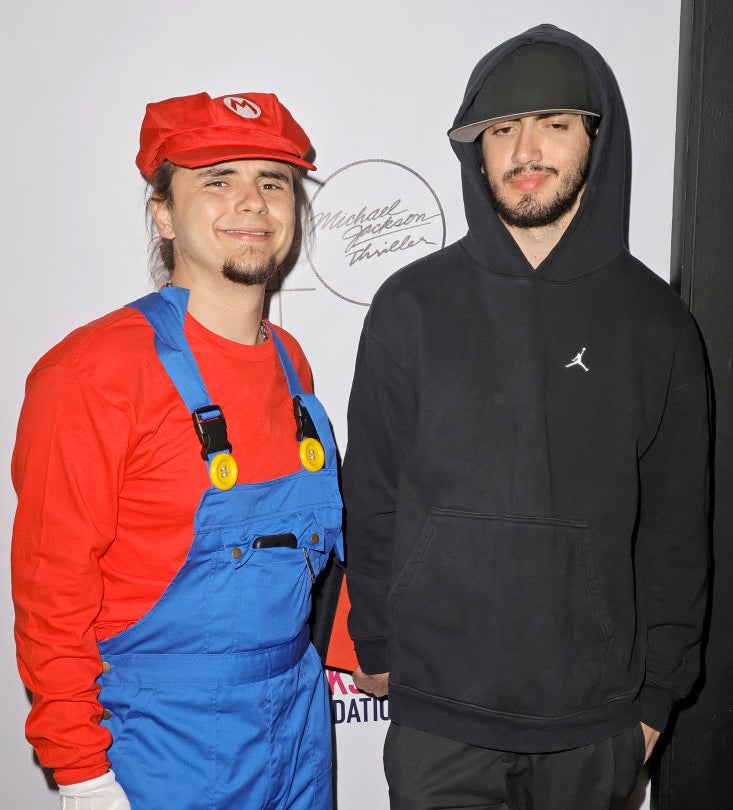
{"type": "Point", "coordinates": [479, 147]}
{"type": "Point", "coordinates": [162, 217]}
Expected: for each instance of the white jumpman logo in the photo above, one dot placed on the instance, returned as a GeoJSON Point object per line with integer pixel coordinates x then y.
{"type": "Point", "coordinates": [578, 360]}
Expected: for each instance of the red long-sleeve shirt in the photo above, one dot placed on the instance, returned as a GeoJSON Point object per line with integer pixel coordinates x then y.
{"type": "Point", "coordinates": [108, 472]}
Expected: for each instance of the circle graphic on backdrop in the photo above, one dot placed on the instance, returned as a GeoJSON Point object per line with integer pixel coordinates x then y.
{"type": "Point", "coordinates": [368, 219]}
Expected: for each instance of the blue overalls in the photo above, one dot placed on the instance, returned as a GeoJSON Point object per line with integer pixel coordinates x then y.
{"type": "Point", "coordinates": [216, 698]}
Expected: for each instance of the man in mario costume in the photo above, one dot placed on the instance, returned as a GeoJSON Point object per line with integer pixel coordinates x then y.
{"type": "Point", "coordinates": [178, 497]}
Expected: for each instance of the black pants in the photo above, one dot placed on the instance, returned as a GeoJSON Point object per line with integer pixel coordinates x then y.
{"type": "Point", "coordinates": [429, 772]}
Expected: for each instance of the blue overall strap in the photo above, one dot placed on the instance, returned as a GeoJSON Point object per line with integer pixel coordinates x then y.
{"type": "Point", "coordinates": [166, 311]}
{"type": "Point", "coordinates": [296, 389]}
{"type": "Point", "coordinates": [311, 403]}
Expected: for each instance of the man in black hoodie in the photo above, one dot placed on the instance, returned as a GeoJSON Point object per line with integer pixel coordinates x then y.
{"type": "Point", "coordinates": [525, 476]}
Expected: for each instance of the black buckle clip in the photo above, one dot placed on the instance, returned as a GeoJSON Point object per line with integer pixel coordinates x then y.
{"type": "Point", "coordinates": [211, 428]}
{"type": "Point", "coordinates": [306, 428]}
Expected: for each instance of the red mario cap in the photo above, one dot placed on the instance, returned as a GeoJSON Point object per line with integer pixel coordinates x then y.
{"type": "Point", "coordinates": [198, 130]}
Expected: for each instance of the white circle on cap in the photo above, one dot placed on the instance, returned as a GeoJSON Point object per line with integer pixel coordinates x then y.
{"type": "Point", "coordinates": [242, 107]}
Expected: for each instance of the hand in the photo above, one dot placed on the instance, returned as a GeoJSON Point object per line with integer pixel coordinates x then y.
{"type": "Point", "coordinates": [651, 736]}
{"type": "Point", "coordinates": [102, 793]}
{"type": "Point", "coordinates": [377, 685]}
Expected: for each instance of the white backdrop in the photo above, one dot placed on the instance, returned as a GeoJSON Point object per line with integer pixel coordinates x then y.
{"type": "Point", "coordinates": [376, 86]}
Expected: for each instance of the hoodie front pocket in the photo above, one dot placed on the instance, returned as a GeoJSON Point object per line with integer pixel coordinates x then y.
{"type": "Point", "coordinates": [503, 612]}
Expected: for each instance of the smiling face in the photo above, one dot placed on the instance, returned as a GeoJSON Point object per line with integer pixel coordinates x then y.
{"type": "Point", "coordinates": [536, 167]}
{"type": "Point", "coordinates": [233, 220]}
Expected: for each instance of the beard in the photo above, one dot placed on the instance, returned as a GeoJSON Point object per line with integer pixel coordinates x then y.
{"type": "Point", "coordinates": [529, 212]}
{"type": "Point", "coordinates": [250, 270]}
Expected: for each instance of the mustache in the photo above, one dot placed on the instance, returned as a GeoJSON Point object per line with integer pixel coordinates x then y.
{"type": "Point", "coordinates": [533, 168]}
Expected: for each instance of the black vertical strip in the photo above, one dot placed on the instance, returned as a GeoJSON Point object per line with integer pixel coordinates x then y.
{"type": "Point", "coordinates": [692, 770]}
{"type": "Point", "coordinates": [686, 148]}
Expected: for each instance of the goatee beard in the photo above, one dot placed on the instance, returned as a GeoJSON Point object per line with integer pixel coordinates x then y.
{"type": "Point", "coordinates": [250, 273]}
{"type": "Point", "coordinates": [528, 212]}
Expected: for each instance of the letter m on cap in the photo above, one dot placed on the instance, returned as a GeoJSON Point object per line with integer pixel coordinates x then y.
{"type": "Point", "coordinates": [242, 107]}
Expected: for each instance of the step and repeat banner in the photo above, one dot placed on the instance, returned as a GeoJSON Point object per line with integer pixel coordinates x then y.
{"type": "Point", "coordinates": [376, 86]}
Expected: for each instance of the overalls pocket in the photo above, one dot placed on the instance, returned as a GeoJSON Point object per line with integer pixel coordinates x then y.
{"type": "Point", "coordinates": [127, 714]}
{"type": "Point", "coordinates": [274, 560]}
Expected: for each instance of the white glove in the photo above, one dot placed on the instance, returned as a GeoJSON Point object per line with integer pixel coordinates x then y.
{"type": "Point", "coordinates": [102, 793]}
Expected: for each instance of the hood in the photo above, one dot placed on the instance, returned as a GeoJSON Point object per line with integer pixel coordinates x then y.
{"type": "Point", "coordinates": [599, 230]}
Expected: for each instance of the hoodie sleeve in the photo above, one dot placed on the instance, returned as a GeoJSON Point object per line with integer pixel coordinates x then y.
{"type": "Point", "coordinates": [381, 409]}
{"type": "Point", "coordinates": [672, 541]}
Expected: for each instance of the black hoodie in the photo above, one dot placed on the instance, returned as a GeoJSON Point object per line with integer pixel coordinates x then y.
{"type": "Point", "coordinates": [527, 536]}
